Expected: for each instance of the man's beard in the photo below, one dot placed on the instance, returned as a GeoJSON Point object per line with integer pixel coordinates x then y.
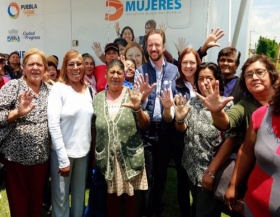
{"type": "Point", "coordinates": [157, 58]}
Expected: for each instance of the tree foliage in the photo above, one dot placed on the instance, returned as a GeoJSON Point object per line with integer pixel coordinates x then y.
{"type": "Point", "coordinates": [267, 46]}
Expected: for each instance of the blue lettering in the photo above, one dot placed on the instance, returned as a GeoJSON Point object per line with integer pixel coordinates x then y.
{"type": "Point", "coordinates": [35, 6]}
{"type": "Point", "coordinates": [169, 4]}
{"type": "Point", "coordinates": [178, 4]}
{"type": "Point", "coordinates": [21, 53]}
{"type": "Point", "coordinates": [13, 38]}
{"type": "Point", "coordinates": [161, 5]}
{"type": "Point", "coordinates": [130, 6]}
{"type": "Point", "coordinates": [154, 5]}
{"type": "Point", "coordinates": [148, 6]}
{"type": "Point", "coordinates": [142, 6]}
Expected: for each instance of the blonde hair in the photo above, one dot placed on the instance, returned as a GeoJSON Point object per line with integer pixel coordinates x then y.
{"type": "Point", "coordinates": [34, 51]}
{"type": "Point", "coordinates": [63, 78]}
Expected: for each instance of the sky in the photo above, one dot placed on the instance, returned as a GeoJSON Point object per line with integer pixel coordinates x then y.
{"type": "Point", "coordinates": [265, 20]}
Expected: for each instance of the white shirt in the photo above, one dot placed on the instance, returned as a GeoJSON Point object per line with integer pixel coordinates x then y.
{"type": "Point", "coordinates": [69, 119]}
{"type": "Point", "coordinates": [191, 89]}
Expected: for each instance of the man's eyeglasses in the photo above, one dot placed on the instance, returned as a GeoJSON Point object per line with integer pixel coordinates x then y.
{"type": "Point", "coordinates": [259, 73]}
{"type": "Point", "coordinates": [73, 64]}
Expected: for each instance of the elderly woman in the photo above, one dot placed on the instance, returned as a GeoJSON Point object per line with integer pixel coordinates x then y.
{"type": "Point", "coordinates": [257, 79]}
{"type": "Point", "coordinates": [119, 153]}
{"type": "Point", "coordinates": [23, 111]}
{"type": "Point", "coordinates": [90, 65]}
{"type": "Point", "coordinates": [201, 141]}
{"type": "Point", "coordinates": [261, 149]}
{"type": "Point", "coordinates": [69, 117]}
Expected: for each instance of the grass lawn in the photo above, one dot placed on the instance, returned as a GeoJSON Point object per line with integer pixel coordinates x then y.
{"type": "Point", "coordinates": [171, 208]}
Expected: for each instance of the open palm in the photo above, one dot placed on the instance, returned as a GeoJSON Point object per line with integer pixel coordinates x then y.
{"type": "Point", "coordinates": [181, 110]}
{"type": "Point", "coordinates": [135, 97]}
{"type": "Point", "coordinates": [166, 99]}
{"type": "Point", "coordinates": [212, 99]}
{"type": "Point", "coordinates": [25, 105]}
{"type": "Point", "coordinates": [144, 85]}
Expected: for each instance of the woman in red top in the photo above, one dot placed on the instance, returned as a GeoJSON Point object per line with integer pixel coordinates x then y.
{"type": "Point", "coordinates": [261, 149]}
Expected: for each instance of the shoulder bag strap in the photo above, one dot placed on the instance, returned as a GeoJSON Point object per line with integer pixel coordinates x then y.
{"type": "Point", "coordinates": [90, 91]}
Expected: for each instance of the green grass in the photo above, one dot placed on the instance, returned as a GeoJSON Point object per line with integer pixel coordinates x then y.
{"type": "Point", "coordinates": [171, 208]}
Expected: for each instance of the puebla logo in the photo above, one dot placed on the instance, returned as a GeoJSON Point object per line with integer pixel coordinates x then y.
{"type": "Point", "coordinates": [13, 14]}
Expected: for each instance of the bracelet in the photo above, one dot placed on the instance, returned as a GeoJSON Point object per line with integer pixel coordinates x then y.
{"type": "Point", "coordinates": [179, 121]}
{"type": "Point", "coordinates": [212, 176]}
{"type": "Point", "coordinates": [135, 111]}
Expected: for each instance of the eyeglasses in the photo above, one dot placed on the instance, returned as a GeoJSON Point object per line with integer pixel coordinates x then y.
{"type": "Point", "coordinates": [73, 64]}
{"type": "Point", "coordinates": [259, 73]}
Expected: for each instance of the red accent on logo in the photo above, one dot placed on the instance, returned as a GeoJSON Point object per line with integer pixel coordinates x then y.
{"type": "Point", "coordinates": [119, 10]}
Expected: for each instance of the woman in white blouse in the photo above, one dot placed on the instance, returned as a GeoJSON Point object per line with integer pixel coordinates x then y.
{"type": "Point", "coordinates": [69, 117]}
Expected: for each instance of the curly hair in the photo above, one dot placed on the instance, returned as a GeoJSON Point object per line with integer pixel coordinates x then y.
{"type": "Point", "coordinates": [216, 72]}
{"type": "Point", "coordinates": [269, 65]}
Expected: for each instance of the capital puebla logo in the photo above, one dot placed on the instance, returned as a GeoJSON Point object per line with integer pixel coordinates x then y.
{"type": "Point", "coordinates": [119, 10]}
{"type": "Point", "coordinates": [16, 7]}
